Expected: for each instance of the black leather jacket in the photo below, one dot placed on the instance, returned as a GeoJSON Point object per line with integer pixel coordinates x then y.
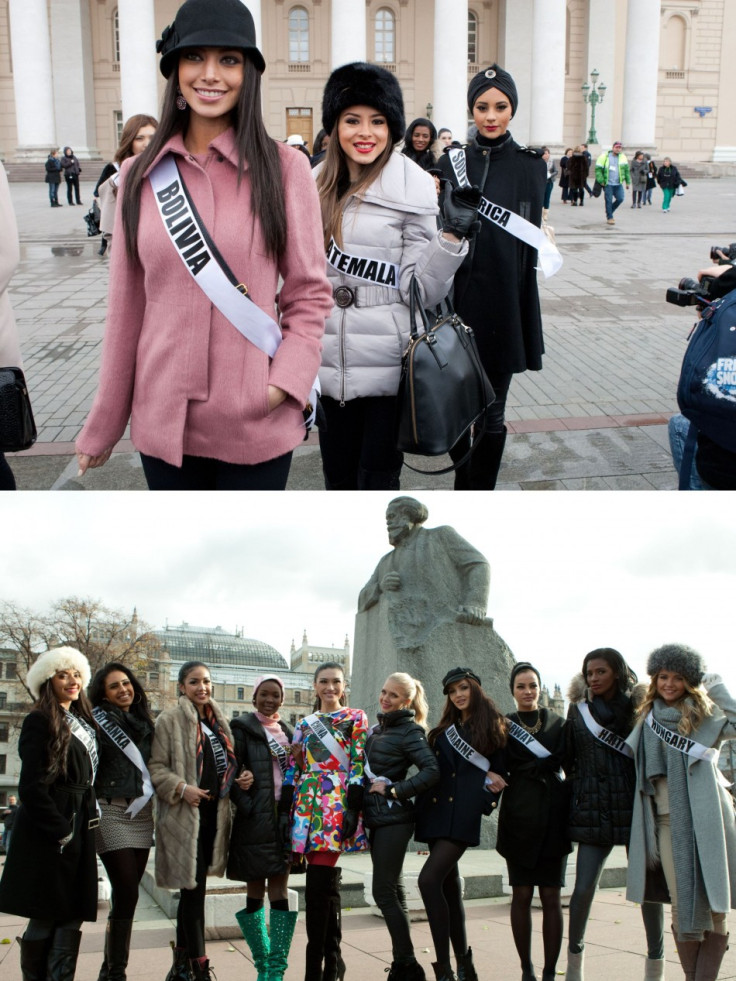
{"type": "Point", "coordinates": [390, 750]}
{"type": "Point", "coordinates": [117, 776]}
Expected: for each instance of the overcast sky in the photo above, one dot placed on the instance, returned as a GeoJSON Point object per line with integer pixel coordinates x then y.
{"type": "Point", "coordinates": [569, 571]}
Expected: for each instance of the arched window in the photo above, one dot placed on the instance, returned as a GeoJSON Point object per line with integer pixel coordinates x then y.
{"type": "Point", "coordinates": [385, 37]}
{"type": "Point", "coordinates": [674, 36]}
{"type": "Point", "coordinates": [298, 35]}
{"type": "Point", "coordinates": [116, 37]}
{"type": "Point", "coordinates": [472, 38]}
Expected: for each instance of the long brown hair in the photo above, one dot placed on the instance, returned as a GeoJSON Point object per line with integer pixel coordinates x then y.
{"type": "Point", "coordinates": [130, 131]}
{"type": "Point", "coordinates": [254, 145]}
{"type": "Point", "coordinates": [59, 731]}
{"type": "Point", "coordinates": [486, 728]}
{"type": "Point", "coordinates": [333, 183]}
{"type": "Point", "coordinates": [694, 705]}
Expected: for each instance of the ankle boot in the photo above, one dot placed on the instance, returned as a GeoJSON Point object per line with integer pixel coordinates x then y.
{"type": "Point", "coordinates": [317, 912]}
{"type": "Point", "coordinates": [687, 951]}
{"type": "Point", "coordinates": [710, 956]}
{"type": "Point", "coordinates": [408, 970]}
{"type": "Point", "coordinates": [201, 970]}
{"type": "Point", "coordinates": [283, 922]}
{"type": "Point", "coordinates": [443, 972]}
{"type": "Point", "coordinates": [654, 969]}
{"type": "Point", "coordinates": [34, 957]}
{"type": "Point", "coordinates": [117, 948]}
{"type": "Point", "coordinates": [180, 970]}
{"type": "Point", "coordinates": [529, 974]}
{"type": "Point", "coordinates": [334, 966]}
{"type": "Point", "coordinates": [253, 927]}
{"type": "Point", "coordinates": [486, 461]}
{"type": "Point", "coordinates": [574, 970]}
{"type": "Point", "coordinates": [63, 955]}
{"type": "Point", "coordinates": [465, 967]}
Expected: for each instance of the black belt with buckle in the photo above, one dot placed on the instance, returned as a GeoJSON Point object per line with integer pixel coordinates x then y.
{"type": "Point", "coordinates": [344, 296]}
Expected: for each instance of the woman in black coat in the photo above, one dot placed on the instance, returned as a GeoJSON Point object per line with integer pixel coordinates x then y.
{"type": "Point", "coordinates": [50, 873]}
{"type": "Point", "coordinates": [601, 769]}
{"type": "Point", "coordinates": [125, 792]}
{"type": "Point", "coordinates": [53, 177]}
{"type": "Point", "coordinates": [496, 285]}
{"type": "Point", "coordinates": [532, 824]}
{"type": "Point", "coordinates": [468, 743]}
{"type": "Point", "coordinates": [419, 139]}
{"type": "Point", "coordinates": [262, 743]}
{"type": "Point", "coordinates": [72, 169]}
{"type": "Point", "coordinates": [397, 742]}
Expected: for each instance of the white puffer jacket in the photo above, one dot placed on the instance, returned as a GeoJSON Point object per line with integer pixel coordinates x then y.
{"type": "Point", "coordinates": [393, 222]}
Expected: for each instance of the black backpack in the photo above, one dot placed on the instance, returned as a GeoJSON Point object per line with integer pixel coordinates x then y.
{"type": "Point", "coordinates": [706, 392]}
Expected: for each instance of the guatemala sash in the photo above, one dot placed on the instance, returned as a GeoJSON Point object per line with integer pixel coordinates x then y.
{"type": "Point", "coordinates": [328, 740]}
{"type": "Point", "coordinates": [550, 259]}
{"type": "Point", "coordinates": [604, 735]}
{"type": "Point", "coordinates": [533, 745]}
{"type": "Point", "coordinates": [377, 272]}
{"type": "Point", "coordinates": [126, 746]}
{"type": "Point", "coordinates": [190, 239]}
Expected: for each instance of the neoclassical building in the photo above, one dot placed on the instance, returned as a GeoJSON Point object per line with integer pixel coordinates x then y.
{"type": "Point", "coordinates": [72, 70]}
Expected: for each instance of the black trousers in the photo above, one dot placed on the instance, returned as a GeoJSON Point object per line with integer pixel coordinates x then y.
{"type": "Point", "coordinates": [190, 913]}
{"type": "Point", "coordinates": [358, 444]}
{"type": "Point", "coordinates": [388, 848]}
{"type": "Point", "coordinates": [73, 182]}
{"type": "Point", "coordinates": [199, 473]}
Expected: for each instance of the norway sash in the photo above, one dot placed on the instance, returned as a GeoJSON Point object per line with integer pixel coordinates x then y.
{"type": "Point", "coordinates": [520, 734]}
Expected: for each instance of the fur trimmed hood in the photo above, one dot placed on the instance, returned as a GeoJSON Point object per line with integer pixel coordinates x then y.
{"type": "Point", "coordinates": [47, 664]}
{"type": "Point", "coordinates": [577, 689]}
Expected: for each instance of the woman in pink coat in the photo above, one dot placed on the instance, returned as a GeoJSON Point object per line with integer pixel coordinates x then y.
{"type": "Point", "coordinates": [208, 408]}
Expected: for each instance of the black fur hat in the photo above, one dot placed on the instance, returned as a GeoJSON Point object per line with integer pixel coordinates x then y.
{"type": "Point", "coordinates": [209, 24]}
{"type": "Point", "coordinates": [361, 84]}
{"type": "Point", "coordinates": [680, 659]}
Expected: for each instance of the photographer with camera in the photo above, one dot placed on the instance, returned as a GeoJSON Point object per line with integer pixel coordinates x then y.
{"type": "Point", "coordinates": [714, 465]}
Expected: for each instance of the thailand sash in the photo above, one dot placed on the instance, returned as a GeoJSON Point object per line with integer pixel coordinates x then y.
{"type": "Point", "coordinates": [217, 748]}
{"type": "Point", "coordinates": [688, 747]}
{"type": "Point", "coordinates": [467, 752]}
{"type": "Point", "coordinates": [328, 740]}
{"type": "Point", "coordinates": [277, 751]}
{"type": "Point", "coordinates": [533, 745]}
{"type": "Point", "coordinates": [190, 239]}
{"type": "Point", "coordinates": [377, 272]}
{"type": "Point", "coordinates": [604, 735]}
{"type": "Point", "coordinates": [550, 259]}
{"type": "Point", "coordinates": [86, 737]}
{"type": "Point", "coordinates": [126, 746]}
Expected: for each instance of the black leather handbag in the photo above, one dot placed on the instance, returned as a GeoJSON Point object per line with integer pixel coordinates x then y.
{"type": "Point", "coordinates": [444, 389]}
{"type": "Point", "coordinates": [17, 428]}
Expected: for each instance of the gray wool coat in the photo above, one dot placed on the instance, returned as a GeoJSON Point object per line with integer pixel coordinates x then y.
{"type": "Point", "coordinates": [173, 759]}
{"type": "Point", "coordinates": [714, 844]}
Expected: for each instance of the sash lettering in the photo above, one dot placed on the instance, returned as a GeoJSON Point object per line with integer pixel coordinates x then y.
{"type": "Point", "coordinates": [184, 232]}
{"type": "Point", "coordinates": [688, 747]}
{"type": "Point", "coordinates": [369, 270]}
{"type": "Point", "coordinates": [217, 748]}
{"type": "Point", "coordinates": [520, 734]}
{"type": "Point", "coordinates": [604, 735]}
{"type": "Point", "coordinates": [126, 745]}
{"type": "Point", "coordinates": [86, 737]}
{"type": "Point", "coordinates": [277, 751]}
{"type": "Point", "coordinates": [328, 741]}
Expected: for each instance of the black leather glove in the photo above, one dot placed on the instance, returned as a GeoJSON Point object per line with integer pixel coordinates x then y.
{"type": "Point", "coordinates": [284, 817]}
{"type": "Point", "coordinates": [460, 211]}
{"type": "Point", "coordinates": [353, 805]}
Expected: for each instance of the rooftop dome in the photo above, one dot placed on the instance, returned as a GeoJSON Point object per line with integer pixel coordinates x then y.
{"type": "Point", "coordinates": [215, 646]}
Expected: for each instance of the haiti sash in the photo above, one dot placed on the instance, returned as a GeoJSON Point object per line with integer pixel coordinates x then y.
{"type": "Point", "coordinates": [328, 740]}
{"type": "Point", "coordinates": [604, 735]}
{"type": "Point", "coordinates": [550, 259]}
{"type": "Point", "coordinates": [195, 249]}
{"type": "Point", "coordinates": [533, 745]}
{"type": "Point", "coordinates": [126, 746]}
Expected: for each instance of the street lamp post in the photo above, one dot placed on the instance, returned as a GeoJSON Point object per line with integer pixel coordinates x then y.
{"type": "Point", "coordinates": [593, 95]}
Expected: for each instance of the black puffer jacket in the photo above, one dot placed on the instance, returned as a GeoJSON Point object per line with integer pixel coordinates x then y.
{"type": "Point", "coordinates": [390, 750]}
{"type": "Point", "coordinates": [603, 779]}
{"type": "Point", "coordinates": [116, 775]}
{"type": "Point", "coordinates": [256, 851]}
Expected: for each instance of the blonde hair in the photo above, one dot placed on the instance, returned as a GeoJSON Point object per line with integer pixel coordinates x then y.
{"type": "Point", "coordinates": [693, 712]}
{"type": "Point", "coordinates": [333, 184]}
{"type": "Point", "coordinates": [414, 691]}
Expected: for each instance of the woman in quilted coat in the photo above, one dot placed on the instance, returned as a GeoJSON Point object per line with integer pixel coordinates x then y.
{"type": "Point", "coordinates": [379, 212]}
{"type": "Point", "coordinates": [192, 767]}
{"type": "Point", "coordinates": [325, 786]}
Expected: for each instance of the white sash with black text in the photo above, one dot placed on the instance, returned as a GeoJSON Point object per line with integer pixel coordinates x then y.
{"type": "Point", "coordinates": [217, 748]}
{"type": "Point", "coordinates": [377, 272]}
{"type": "Point", "coordinates": [277, 751]}
{"type": "Point", "coordinates": [328, 740]}
{"type": "Point", "coordinates": [126, 746]}
{"type": "Point", "coordinates": [86, 737]}
{"type": "Point", "coordinates": [533, 745]}
{"type": "Point", "coordinates": [688, 747]}
{"type": "Point", "coordinates": [183, 229]}
{"type": "Point", "coordinates": [467, 752]}
{"type": "Point", "coordinates": [550, 259]}
{"type": "Point", "coordinates": [604, 735]}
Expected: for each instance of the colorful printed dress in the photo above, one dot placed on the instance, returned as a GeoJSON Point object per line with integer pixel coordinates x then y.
{"type": "Point", "coordinates": [320, 783]}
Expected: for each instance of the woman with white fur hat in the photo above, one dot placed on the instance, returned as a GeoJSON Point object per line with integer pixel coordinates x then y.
{"type": "Point", "coordinates": [683, 823]}
{"type": "Point", "coordinates": [50, 873]}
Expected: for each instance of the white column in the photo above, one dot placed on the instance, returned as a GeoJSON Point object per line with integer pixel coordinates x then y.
{"type": "Point", "coordinates": [602, 58]}
{"type": "Point", "coordinates": [548, 72]}
{"type": "Point", "coordinates": [71, 59]}
{"type": "Point", "coordinates": [138, 59]}
{"type": "Point", "coordinates": [450, 77]}
{"type": "Point", "coordinates": [641, 73]}
{"type": "Point", "coordinates": [33, 89]}
{"type": "Point", "coordinates": [348, 35]}
{"type": "Point", "coordinates": [515, 55]}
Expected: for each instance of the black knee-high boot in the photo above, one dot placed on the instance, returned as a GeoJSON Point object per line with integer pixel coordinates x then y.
{"type": "Point", "coordinates": [34, 958]}
{"type": "Point", "coordinates": [486, 461]}
{"type": "Point", "coordinates": [63, 955]}
{"type": "Point", "coordinates": [334, 969]}
{"type": "Point", "coordinates": [317, 903]}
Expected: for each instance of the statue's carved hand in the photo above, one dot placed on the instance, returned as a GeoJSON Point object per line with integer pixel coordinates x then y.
{"type": "Point", "coordinates": [471, 614]}
{"type": "Point", "coordinates": [391, 581]}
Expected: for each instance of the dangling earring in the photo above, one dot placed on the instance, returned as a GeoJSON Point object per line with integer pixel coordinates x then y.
{"type": "Point", "coordinates": [181, 102]}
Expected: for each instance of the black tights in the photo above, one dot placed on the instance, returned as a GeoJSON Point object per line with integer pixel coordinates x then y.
{"type": "Point", "coordinates": [190, 914]}
{"type": "Point", "coordinates": [521, 924]}
{"type": "Point", "coordinates": [125, 867]}
{"type": "Point", "coordinates": [439, 884]}
{"type": "Point", "coordinates": [44, 929]}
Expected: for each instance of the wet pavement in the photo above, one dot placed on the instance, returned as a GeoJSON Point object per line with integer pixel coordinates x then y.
{"type": "Point", "coordinates": [594, 418]}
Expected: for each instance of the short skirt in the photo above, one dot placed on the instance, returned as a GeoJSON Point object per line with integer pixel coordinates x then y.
{"type": "Point", "coordinates": [117, 830]}
{"type": "Point", "coordinates": [547, 873]}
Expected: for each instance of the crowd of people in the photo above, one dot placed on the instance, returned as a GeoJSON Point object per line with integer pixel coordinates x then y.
{"type": "Point", "coordinates": [254, 799]}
